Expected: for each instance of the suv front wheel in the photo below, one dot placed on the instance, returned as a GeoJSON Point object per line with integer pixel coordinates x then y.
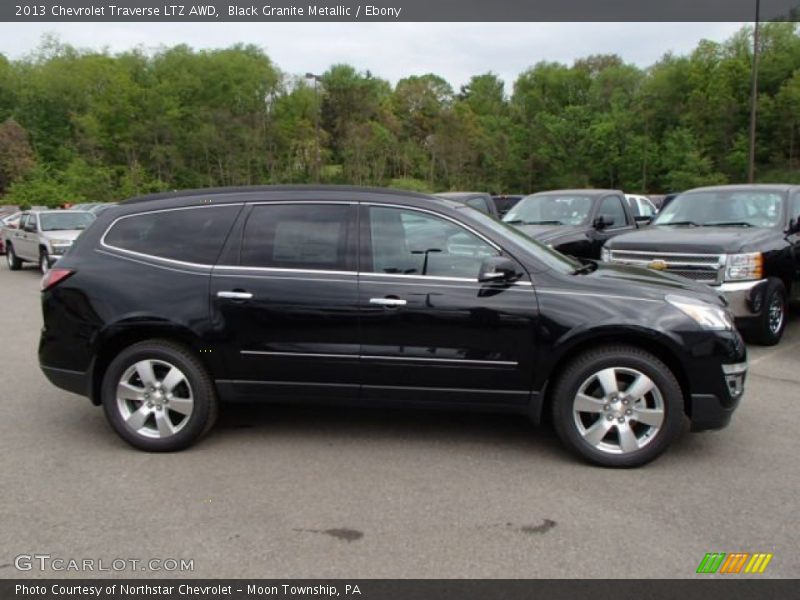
{"type": "Point", "coordinates": [14, 263]}
{"type": "Point", "coordinates": [617, 406]}
{"type": "Point", "coordinates": [158, 396]}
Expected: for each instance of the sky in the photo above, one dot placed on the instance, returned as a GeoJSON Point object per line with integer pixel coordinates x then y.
{"type": "Point", "coordinates": [455, 51]}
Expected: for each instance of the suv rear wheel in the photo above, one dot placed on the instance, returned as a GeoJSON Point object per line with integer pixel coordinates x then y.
{"type": "Point", "coordinates": [158, 396]}
{"type": "Point", "coordinates": [617, 406]}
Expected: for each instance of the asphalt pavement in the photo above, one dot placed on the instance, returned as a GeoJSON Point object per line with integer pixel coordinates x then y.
{"type": "Point", "coordinates": [296, 492]}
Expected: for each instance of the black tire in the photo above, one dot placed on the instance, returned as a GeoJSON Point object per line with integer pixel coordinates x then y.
{"type": "Point", "coordinates": [628, 359]}
{"type": "Point", "coordinates": [200, 386]}
{"type": "Point", "coordinates": [765, 333]}
{"type": "Point", "coordinates": [12, 260]}
{"type": "Point", "coordinates": [44, 261]}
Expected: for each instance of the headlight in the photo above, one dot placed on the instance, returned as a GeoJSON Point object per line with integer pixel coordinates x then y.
{"type": "Point", "coordinates": [605, 254]}
{"type": "Point", "coordinates": [704, 314]}
{"type": "Point", "coordinates": [744, 266]}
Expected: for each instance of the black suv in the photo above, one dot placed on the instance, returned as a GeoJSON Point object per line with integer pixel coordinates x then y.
{"type": "Point", "coordinates": [168, 304]}
{"type": "Point", "coordinates": [742, 239]}
{"type": "Point", "coordinates": [574, 222]}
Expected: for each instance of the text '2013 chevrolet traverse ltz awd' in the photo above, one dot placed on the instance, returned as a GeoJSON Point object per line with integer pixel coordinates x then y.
{"type": "Point", "coordinates": [170, 304]}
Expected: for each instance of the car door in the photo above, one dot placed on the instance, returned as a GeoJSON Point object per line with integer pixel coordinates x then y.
{"type": "Point", "coordinates": [611, 206]}
{"type": "Point", "coordinates": [284, 300]}
{"type": "Point", "coordinates": [430, 332]}
{"type": "Point", "coordinates": [27, 245]}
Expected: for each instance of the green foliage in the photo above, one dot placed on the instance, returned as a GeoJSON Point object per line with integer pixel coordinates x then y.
{"type": "Point", "coordinates": [410, 184]}
{"type": "Point", "coordinates": [103, 127]}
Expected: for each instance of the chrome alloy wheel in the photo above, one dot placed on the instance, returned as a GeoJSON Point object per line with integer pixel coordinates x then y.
{"type": "Point", "coordinates": [154, 399]}
{"type": "Point", "coordinates": [618, 410]}
{"type": "Point", "coordinates": [775, 312]}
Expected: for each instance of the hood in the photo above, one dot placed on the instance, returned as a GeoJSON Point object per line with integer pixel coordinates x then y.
{"type": "Point", "coordinates": [641, 282]}
{"type": "Point", "coordinates": [700, 240]}
{"type": "Point", "coordinates": [551, 234]}
{"type": "Point", "coordinates": [63, 234]}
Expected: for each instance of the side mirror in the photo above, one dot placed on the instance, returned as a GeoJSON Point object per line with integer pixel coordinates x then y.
{"type": "Point", "coordinates": [643, 220]}
{"type": "Point", "coordinates": [603, 221]}
{"type": "Point", "coordinates": [498, 268]}
{"type": "Point", "coordinates": [794, 225]}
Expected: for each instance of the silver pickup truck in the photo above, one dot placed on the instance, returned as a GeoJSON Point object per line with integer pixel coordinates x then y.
{"type": "Point", "coordinates": [42, 236]}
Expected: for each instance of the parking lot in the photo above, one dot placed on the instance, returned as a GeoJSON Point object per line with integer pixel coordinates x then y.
{"type": "Point", "coordinates": [313, 492]}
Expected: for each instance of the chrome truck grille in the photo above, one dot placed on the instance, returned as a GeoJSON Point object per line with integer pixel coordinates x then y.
{"type": "Point", "coordinates": [704, 268]}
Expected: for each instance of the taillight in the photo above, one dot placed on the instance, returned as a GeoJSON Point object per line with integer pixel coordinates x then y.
{"type": "Point", "coordinates": [55, 276]}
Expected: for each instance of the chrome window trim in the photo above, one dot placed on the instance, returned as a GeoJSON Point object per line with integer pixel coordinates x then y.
{"type": "Point", "coordinates": [278, 270]}
{"type": "Point", "coordinates": [283, 270]}
{"type": "Point", "coordinates": [436, 214]}
{"type": "Point", "coordinates": [205, 268]}
{"type": "Point", "coordinates": [153, 256]}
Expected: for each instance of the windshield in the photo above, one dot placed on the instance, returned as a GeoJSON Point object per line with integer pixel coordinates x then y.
{"type": "Point", "coordinates": [724, 209]}
{"type": "Point", "coordinates": [551, 209]}
{"type": "Point", "coordinates": [553, 259]}
{"type": "Point", "coordinates": [57, 221]}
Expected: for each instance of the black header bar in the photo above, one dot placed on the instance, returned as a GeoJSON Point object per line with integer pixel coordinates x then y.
{"type": "Point", "coordinates": [396, 10]}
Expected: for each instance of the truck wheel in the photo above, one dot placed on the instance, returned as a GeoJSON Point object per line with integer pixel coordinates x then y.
{"type": "Point", "coordinates": [617, 406]}
{"type": "Point", "coordinates": [770, 325]}
{"type": "Point", "coordinates": [13, 261]}
{"type": "Point", "coordinates": [158, 396]}
{"type": "Point", "coordinates": [44, 261]}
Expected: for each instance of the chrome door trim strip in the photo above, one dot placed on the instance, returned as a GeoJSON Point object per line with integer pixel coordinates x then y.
{"type": "Point", "coordinates": [376, 357]}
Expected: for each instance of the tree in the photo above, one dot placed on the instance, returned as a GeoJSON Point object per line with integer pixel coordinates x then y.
{"type": "Point", "coordinates": [16, 155]}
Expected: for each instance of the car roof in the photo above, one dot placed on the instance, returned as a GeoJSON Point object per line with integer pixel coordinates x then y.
{"type": "Point", "coordinates": [743, 187]}
{"type": "Point", "coordinates": [582, 192]}
{"type": "Point", "coordinates": [236, 192]}
{"type": "Point", "coordinates": [464, 195]}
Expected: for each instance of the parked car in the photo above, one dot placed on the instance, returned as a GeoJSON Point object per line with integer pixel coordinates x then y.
{"type": "Point", "coordinates": [86, 206]}
{"type": "Point", "coordinates": [96, 210]}
{"type": "Point", "coordinates": [10, 221]}
{"type": "Point", "coordinates": [43, 236]}
{"type": "Point", "coordinates": [172, 303]}
{"type": "Point", "coordinates": [477, 200]}
{"type": "Point", "coordinates": [667, 199]}
{"type": "Point", "coordinates": [574, 222]}
{"type": "Point", "coordinates": [642, 208]}
{"type": "Point", "coordinates": [505, 203]}
{"type": "Point", "coordinates": [743, 239]}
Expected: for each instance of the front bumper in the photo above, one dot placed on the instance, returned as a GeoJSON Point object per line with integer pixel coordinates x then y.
{"type": "Point", "coordinates": [714, 411]}
{"type": "Point", "coordinates": [745, 298]}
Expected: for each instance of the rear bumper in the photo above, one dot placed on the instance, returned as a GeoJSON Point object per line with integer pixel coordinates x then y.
{"type": "Point", "coordinates": [77, 382]}
{"type": "Point", "coordinates": [745, 298]}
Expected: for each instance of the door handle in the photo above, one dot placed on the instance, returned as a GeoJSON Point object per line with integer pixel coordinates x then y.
{"type": "Point", "coordinates": [389, 302]}
{"type": "Point", "coordinates": [232, 295]}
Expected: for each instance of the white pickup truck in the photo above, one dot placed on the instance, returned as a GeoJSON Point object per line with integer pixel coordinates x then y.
{"type": "Point", "coordinates": [42, 236]}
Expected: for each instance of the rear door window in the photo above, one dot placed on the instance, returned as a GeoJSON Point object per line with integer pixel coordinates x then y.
{"type": "Point", "coordinates": [299, 236]}
{"type": "Point", "coordinates": [192, 235]}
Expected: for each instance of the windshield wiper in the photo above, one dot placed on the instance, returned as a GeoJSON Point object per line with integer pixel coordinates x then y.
{"type": "Point", "coordinates": [690, 223]}
{"type": "Point", "coordinates": [727, 224]}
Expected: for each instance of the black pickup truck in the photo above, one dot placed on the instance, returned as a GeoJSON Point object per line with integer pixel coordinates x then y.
{"type": "Point", "coordinates": [574, 222]}
{"type": "Point", "coordinates": [744, 240]}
